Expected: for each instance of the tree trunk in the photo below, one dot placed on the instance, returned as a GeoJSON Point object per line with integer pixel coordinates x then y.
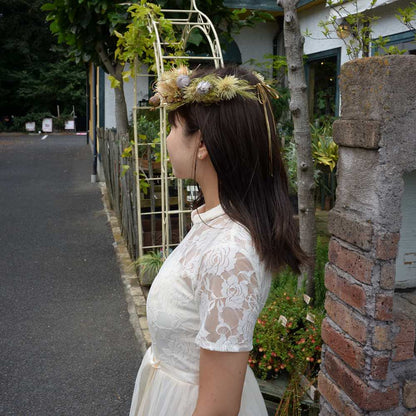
{"type": "Point", "coordinates": [121, 110]}
{"type": "Point", "coordinates": [116, 70]}
{"type": "Point", "coordinates": [299, 108]}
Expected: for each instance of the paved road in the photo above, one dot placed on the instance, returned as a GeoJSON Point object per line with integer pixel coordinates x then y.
{"type": "Point", "coordinates": [66, 343]}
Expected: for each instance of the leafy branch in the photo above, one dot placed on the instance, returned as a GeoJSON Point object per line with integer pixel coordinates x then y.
{"type": "Point", "coordinates": [355, 27]}
{"type": "Point", "coordinates": [136, 43]}
{"type": "Point", "coordinates": [408, 16]}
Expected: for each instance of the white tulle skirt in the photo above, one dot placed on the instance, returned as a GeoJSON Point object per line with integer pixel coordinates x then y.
{"type": "Point", "coordinates": [161, 391]}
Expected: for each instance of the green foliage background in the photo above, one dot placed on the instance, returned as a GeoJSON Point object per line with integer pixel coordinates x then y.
{"type": "Point", "coordinates": [35, 75]}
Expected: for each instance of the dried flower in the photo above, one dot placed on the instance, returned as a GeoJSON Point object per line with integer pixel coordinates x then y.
{"type": "Point", "coordinates": [155, 100]}
{"type": "Point", "coordinates": [183, 81]}
{"type": "Point", "coordinates": [203, 87]}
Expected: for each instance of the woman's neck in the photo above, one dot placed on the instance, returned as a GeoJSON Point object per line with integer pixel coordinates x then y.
{"type": "Point", "coordinates": [209, 187]}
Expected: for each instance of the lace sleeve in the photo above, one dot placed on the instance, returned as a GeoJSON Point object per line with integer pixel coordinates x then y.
{"type": "Point", "coordinates": [228, 292]}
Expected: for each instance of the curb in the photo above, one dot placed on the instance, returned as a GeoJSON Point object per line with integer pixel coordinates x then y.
{"type": "Point", "coordinates": [135, 297]}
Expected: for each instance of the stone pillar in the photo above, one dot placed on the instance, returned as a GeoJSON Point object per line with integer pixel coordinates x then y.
{"type": "Point", "coordinates": [368, 362]}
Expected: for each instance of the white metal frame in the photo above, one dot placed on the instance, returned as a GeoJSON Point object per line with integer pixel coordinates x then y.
{"type": "Point", "coordinates": [193, 19]}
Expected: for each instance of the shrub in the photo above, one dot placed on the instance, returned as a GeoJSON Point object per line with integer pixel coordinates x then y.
{"type": "Point", "coordinates": [287, 337]}
{"type": "Point", "coordinates": [18, 123]}
{"type": "Point", "coordinates": [287, 333]}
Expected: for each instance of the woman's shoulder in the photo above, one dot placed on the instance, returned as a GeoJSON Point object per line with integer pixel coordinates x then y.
{"type": "Point", "coordinates": [231, 246]}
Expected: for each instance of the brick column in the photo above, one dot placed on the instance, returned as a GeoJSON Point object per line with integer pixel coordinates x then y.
{"type": "Point", "coordinates": [363, 338]}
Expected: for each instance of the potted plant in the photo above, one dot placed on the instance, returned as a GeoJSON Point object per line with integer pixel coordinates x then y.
{"type": "Point", "coordinates": [149, 265]}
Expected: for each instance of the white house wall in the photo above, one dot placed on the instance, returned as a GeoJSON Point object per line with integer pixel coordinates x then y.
{"type": "Point", "coordinates": [256, 42]}
{"type": "Point", "coordinates": [388, 23]}
{"type": "Point", "coordinates": [316, 42]}
{"type": "Point", "coordinates": [309, 19]}
{"type": "Point", "coordinates": [110, 115]}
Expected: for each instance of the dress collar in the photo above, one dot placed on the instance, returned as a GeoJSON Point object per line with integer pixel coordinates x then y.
{"type": "Point", "coordinates": [197, 216]}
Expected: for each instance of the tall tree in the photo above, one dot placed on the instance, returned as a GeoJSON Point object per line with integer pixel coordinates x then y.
{"type": "Point", "coordinates": [298, 106]}
{"type": "Point", "coordinates": [87, 28]}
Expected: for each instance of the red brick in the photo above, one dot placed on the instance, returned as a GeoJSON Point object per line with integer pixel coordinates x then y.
{"type": "Point", "coordinates": [356, 264]}
{"type": "Point", "coordinates": [388, 275]}
{"type": "Point", "coordinates": [366, 397]}
{"type": "Point", "coordinates": [404, 341]}
{"type": "Point", "coordinates": [387, 245]}
{"type": "Point", "coordinates": [351, 352]}
{"type": "Point", "coordinates": [340, 402]}
{"type": "Point", "coordinates": [348, 228]}
{"type": "Point", "coordinates": [379, 367]}
{"type": "Point", "coordinates": [346, 318]}
{"type": "Point", "coordinates": [384, 307]}
{"type": "Point", "coordinates": [409, 394]}
{"type": "Point", "coordinates": [381, 338]}
{"type": "Point", "coordinates": [350, 293]}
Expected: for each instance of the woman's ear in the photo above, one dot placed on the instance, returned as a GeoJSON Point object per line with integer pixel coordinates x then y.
{"type": "Point", "coordinates": [202, 149]}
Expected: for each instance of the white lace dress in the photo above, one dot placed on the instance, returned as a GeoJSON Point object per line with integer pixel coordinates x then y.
{"type": "Point", "coordinates": [208, 294]}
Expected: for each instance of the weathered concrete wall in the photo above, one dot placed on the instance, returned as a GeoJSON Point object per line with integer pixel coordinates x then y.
{"type": "Point", "coordinates": [369, 364]}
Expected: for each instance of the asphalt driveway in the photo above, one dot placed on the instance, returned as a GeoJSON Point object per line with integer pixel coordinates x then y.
{"type": "Point", "coordinates": [66, 344]}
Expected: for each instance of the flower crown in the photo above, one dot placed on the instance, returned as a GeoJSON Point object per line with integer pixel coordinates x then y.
{"type": "Point", "coordinates": [176, 88]}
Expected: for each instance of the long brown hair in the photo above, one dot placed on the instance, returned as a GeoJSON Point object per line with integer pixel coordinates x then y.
{"type": "Point", "coordinates": [252, 191]}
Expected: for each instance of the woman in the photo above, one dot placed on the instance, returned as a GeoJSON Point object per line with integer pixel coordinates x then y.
{"type": "Point", "coordinates": [204, 303]}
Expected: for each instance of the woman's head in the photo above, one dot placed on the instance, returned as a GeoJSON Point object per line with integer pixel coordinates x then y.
{"type": "Point", "coordinates": [235, 134]}
{"type": "Point", "coordinates": [245, 151]}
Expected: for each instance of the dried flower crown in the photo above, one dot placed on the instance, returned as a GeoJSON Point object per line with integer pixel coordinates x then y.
{"type": "Point", "coordinates": [176, 88]}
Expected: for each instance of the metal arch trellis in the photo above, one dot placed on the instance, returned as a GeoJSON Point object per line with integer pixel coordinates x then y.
{"type": "Point", "coordinates": [193, 19]}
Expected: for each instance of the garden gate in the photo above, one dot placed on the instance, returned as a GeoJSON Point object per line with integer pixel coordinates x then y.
{"type": "Point", "coordinates": [166, 206]}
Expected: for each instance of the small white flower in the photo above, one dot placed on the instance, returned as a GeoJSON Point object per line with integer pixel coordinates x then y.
{"type": "Point", "coordinates": [203, 87]}
{"type": "Point", "coordinates": [182, 81]}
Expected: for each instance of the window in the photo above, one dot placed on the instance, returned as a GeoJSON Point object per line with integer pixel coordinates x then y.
{"type": "Point", "coordinates": [404, 41]}
{"type": "Point", "coordinates": [322, 70]}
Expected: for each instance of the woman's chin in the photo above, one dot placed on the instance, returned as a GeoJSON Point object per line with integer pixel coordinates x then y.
{"type": "Point", "coordinates": [177, 174]}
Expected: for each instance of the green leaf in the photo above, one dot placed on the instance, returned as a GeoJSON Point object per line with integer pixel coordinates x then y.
{"type": "Point", "coordinates": [124, 169]}
{"type": "Point", "coordinates": [126, 75]}
{"type": "Point", "coordinates": [195, 38]}
{"type": "Point", "coordinates": [127, 152]}
{"type": "Point", "coordinates": [115, 83]}
{"type": "Point", "coordinates": [48, 7]}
